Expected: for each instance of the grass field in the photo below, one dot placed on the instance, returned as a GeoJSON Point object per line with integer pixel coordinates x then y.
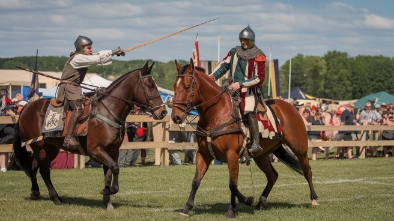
{"type": "Point", "coordinates": [358, 189]}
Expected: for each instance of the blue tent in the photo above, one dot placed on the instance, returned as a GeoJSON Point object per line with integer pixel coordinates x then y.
{"type": "Point", "coordinates": [296, 94]}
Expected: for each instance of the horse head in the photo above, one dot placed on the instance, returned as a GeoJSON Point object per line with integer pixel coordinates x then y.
{"type": "Point", "coordinates": [147, 95]}
{"type": "Point", "coordinates": [136, 87]}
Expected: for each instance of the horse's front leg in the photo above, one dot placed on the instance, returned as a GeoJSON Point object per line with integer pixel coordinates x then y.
{"type": "Point", "coordinates": [233, 167]}
{"type": "Point", "coordinates": [110, 168]}
{"type": "Point", "coordinates": [202, 166]}
{"type": "Point", "coordinates": [107, 190]}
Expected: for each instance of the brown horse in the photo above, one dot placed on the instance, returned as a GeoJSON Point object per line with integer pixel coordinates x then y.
{"type": "Point", "coordinates": [193, 88]}
{"type": "Point", "coordinates": [104, 137]}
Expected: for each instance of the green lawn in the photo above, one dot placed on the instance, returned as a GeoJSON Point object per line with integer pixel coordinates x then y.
{"type": "Point", "coordinates": [358, 189]}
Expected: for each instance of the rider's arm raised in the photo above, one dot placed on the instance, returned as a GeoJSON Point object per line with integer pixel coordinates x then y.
{"type": "Point", "coordinates": [84, 61]}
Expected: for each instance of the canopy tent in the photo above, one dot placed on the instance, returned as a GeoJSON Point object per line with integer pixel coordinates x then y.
{"type": "Point", "coordinates": [376, 98]}
{"type": "Point", "coordinates": [297, 94]}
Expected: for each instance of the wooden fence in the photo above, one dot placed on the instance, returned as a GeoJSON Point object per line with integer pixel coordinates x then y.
{"type": "Point", "coordinates": [162, 128]}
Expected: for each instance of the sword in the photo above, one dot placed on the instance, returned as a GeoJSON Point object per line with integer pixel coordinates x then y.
{"type": "Point", "coordinates": [49, 76]}
{"type": "Point", "coordinates": [166, 36]}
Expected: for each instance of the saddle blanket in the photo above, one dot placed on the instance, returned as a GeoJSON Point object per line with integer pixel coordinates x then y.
{"type": "Point", "coordinates": [55, 125]}
{"type": "Point", "coordinates": [269, 127]}
{"type": "Point", "coordinates": [53, 119]}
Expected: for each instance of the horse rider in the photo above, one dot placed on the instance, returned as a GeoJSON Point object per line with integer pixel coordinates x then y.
{"type": "Point", "coordinates": [74, 71]}
{"type": "Point", "coordinates": [247, 71]}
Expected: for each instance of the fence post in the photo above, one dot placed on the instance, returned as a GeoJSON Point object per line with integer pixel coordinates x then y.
{"type": "Point", "coordinates": [79, 161]}
{"type": "Point", "coordinates": [159, 136]}
{"type": "Point", "coordinates": [363, 148]}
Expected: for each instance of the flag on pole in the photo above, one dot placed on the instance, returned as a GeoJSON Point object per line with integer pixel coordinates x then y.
{"type": "Point", "coordinates": [32, 95]}
{"type": "Point", "coordinates": [274, 75]}
{"type": "Point", "coordinates": [196, 53]}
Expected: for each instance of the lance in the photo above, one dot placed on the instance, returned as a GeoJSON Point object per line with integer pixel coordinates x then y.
{"type": "Point", "coordinates": [166, 36]}
{"type": "Point", "coordinates": [49, 76]}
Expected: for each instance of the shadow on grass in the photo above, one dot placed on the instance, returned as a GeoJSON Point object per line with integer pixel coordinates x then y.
{"type": "Point", "coordinates": [222, 208]}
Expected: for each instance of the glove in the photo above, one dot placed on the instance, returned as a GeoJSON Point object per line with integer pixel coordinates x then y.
{"type": "Point", "coordinates": [140, 131]}
{"type": "Point", "coordinates": [118, 52]}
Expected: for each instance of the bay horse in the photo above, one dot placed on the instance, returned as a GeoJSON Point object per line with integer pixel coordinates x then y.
{"type": "Point", "coordinates": [105, 130]}
{"type": "Point", "coordinates": [194, 89]}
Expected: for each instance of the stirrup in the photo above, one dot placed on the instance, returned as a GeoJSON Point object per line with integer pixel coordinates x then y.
{"type": "Point", "coordinates": [71, 143]}
{"type": "Point", "coordinates": [255, 148]}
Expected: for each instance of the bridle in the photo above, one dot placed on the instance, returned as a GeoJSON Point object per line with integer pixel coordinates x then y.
{"type": "Point", "coordinates": [187, 106]}
{"type": "Point", "coordinates": [148, 105]}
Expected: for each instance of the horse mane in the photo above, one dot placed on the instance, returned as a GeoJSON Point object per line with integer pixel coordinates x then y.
{"type": "Point", "coordinates": [121, 79]}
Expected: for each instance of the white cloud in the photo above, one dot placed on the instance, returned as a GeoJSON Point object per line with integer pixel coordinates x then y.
{"type": "Point", "coordinates": [378, 22]}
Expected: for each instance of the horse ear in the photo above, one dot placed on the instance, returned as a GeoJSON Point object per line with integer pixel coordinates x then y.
{"type": "Point", "coordinates": [178, 66]}
{"type": "Point", "coordinates": [191, 66]}
{"type": "Point", "coordinates": [144, 68]}
{"type": "Point", "coordinates": [192, 62]}
{"type": "Point", "coordinates": [150, 68]}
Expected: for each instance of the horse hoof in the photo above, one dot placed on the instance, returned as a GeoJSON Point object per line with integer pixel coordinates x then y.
{"type": "Point", "coordinates": [34, 195]}
{"type": "Point", "coordinates": [58, 201]}
{"type": "Point", "coordinates": [249, 201]}
{"type": "Point", "coordinates": [184, 214]}
{"type": "Point", "coordinates": [110, 206]}
{"type": "Point", "coordinates": [230, 215]}
{"type": "Point", "coordinates": [231, 212]}
{"type": "Point", "coordinates": [315, 203]}
{"type": "Point", "coordinates": [262, 205]}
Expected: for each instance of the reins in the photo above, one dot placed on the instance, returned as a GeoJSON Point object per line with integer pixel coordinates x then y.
{"type": "Point", "coordinates": [102, 92]}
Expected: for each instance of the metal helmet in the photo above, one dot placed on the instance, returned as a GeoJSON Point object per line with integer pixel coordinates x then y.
{"type": "Point", "coordinates": [80, 42]}
{"type": "Point", "coordinates": [248, 33]}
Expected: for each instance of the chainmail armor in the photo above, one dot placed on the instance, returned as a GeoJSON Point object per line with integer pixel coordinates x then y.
{"type": "Point", "coordinates": [248, 53]}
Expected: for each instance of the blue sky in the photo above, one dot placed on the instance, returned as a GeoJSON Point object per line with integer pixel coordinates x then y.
{"type": "Point", "coordinates": [308, 27]}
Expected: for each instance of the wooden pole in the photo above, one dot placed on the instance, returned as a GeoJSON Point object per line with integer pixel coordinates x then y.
{"type": "Point", "coordinates": [166, 36]}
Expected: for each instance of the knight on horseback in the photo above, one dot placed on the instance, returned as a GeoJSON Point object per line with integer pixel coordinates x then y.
{"type": "Point", "coordinates": [74, 71]}
{"type": "Point", "coordinates": [247, 71]}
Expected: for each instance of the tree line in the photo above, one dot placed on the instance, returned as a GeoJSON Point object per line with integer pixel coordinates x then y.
{"type": "Point", "coordinates": [338, 76]}
{"type": "Point", "coordinates": [335, 75]}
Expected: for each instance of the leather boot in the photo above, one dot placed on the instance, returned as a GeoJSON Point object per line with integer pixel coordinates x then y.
{"type": "Point", "coordinates": [254, 131]}
{"type": "Point", "coordinates": [69, 141]}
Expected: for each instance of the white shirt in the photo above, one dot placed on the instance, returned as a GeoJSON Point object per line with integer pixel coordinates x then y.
{"type": "Point", "coordinates": [84, 61]}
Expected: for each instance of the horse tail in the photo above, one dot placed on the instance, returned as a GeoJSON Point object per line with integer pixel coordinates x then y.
{"type": "Point", "coordinates": [288, 158]}
{"type": "Point", "coordinates": [22, 158]}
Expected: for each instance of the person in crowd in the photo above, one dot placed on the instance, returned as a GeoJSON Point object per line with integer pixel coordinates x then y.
{"type": "Point", "coordinates": [314, 135]}
{"type": "Point", "coordinates": [369, 116]}
{"type": "Point", "coordinates": [347, 118]}
{"type": "Point", "coordinates": [74, 72]}
{"type": "Point", "coordinates": [389, 108]}
{"type": "Point", "coordinates": [388, 134]}
{"type": "Point", "coordinates": [247, 70]}
{"type": "Point", "coordinates": [176, 137]}
{"type": "Point", "coordinates": [7, 108]}
{"type": "Point", "coordinates": [327, 118]}
{"type": "Point", "coordinates": [136, 132]}
{"type": "Point", "coordinates": [382, 108]}
{"type": "Point", "coordinates": [190, 155]}
{"type": "Point", "coordinates": [20, 105]}
{"type": "Point", "coordinates": [305, 114]}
